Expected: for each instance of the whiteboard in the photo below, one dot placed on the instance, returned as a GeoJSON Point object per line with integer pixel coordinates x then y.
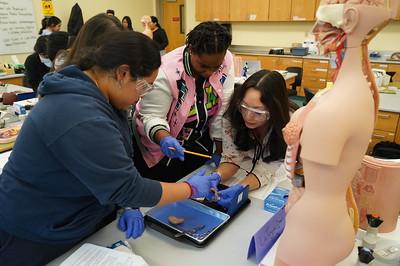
{"type": "Point", "coordinates": [17, 26]}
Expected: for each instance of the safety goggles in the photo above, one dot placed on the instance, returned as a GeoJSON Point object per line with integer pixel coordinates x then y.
{"type": "Point", "coordinates": [143, 87]}
{"type": "Point", "coordinates": [256, 113]}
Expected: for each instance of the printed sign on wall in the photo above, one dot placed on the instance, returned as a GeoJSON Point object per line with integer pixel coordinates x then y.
{"type": "Point", "coordinates": [47, 8]}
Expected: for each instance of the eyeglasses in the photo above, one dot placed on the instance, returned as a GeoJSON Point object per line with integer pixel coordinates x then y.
{"type": "Point", "coordinates": [143, 87]}
{"type": "Point", "coordinates": [256, 113]}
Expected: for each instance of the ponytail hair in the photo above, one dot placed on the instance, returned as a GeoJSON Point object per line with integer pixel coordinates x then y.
{"type": "Point", "coordinates": [44, 25]}
{"type": "Point", "coordinates": [155, 20]}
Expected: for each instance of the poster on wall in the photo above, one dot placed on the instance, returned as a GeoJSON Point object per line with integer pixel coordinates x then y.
{"type": "Point", "coordinates": [17, 26]}
{"type": "Point", "coordinates": [47, 8]}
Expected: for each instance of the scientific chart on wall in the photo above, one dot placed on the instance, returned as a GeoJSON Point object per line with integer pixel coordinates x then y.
{"type": "Point", "coordinates": [17, 26]}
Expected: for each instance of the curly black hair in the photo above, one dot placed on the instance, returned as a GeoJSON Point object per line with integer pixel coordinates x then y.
{"type": "Point", "coordinates": [272, 88]}
{"type": "Point", "coordinates": [209, 38]}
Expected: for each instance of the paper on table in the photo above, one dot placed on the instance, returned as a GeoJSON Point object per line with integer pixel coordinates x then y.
{"type": "Point", "coordinates": [89, 254]}
{"type": "Point", "coordinates": [4, 159]}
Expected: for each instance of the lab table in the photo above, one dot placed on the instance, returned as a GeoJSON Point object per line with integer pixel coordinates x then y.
{"type": "Point", "coordinates": [228, 248]}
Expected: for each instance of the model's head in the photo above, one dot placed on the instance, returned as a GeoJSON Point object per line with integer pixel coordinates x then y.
{"type": "Point", "coordinates": [123, 79]}
{"type": "Point", "coordinates": [127, 23]}
{"type": "Point", "coordinates": [53, 24]}
{"type": "Point", "coordinates": [261, 101]}
{"type": "Point", "coordinates": [92, 34]}
{"type": "Point", "coordinates": [349, 23]}
{"type": "Point", "coordinates": [207, 44]}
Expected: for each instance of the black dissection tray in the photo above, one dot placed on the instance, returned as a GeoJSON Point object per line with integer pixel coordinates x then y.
{"type": "Point", "coordinates": [203, 220]}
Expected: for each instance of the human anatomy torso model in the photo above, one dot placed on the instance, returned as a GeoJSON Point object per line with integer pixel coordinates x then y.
{"type": "Point", "coordinates": [334, 134]}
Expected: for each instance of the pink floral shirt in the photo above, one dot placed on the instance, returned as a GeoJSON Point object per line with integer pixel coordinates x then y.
{"type": "Point", "coordinates": [244, 159]}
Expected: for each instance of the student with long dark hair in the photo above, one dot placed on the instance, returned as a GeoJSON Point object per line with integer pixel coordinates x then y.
{"type": "Point", "coordinates": [37, 64]}
{"type": "Point", "coordinates": [127, 23]}
{"type": "Point", "coordinates": [52, 23]}
{"type": "Point", "coordinates": [71, 165]}
{"type": "Point", "coordinates": [185, 109]}
{"type": "Point", "coordinates": [253, 144]}
{"type": "Point", "coordinates": [159, 34]}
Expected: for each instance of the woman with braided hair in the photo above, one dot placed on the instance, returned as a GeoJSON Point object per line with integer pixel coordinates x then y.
{"type": "Point", "coordinates": [184, 111]}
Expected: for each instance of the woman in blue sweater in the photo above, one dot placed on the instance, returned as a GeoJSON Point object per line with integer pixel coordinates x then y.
{"type": "Point", "coordinates": [70, 168]}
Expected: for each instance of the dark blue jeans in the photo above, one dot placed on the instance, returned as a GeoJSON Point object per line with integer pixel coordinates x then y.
{"type": "Point", "coordinates": [15, 251]}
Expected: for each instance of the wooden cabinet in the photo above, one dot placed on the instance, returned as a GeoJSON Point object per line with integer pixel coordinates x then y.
{"type": "Point", "coordinates": [13, 80]}
{"type": "Point", "coordinates": [387, 121]}
{"type": "Point", "coordinates": [389, 68]}
{"type": "Point", "coordinates": [395, 68]}
{"type": "Point", "coordinates": [397, 138]}
{"type": "Point", "coordinates": [212, 10]}
{"type": "Point", "coordinates": [280, 63]}
{"type": "Point", "coordinates": [249, 10]}
{"type": "Point", "coordinates": [385, 129]}
{"type": "Point", "coordinates": [380, 66]}
{"type": "Point", "coordinates": [279, 10]}
{"type": "Point", "coordinates": [303, 10]}
{"type": "Point", "coordinates": [286, 62]}
{"type": "Point", "coordinates": [256, 10]}
{"type": "Point", "coordinates": [315, 74]}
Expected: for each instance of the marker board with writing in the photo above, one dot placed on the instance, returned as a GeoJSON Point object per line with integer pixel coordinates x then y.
{"type": "Point", "coordinates": [18, 31]}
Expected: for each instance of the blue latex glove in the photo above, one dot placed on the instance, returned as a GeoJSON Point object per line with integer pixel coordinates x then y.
{"type": "Point", "coordinates": [201, 184]}
{"type": "Point", "coordinates": [227, 195]}
{"type": "Point", "coordinates": [132, 223]}
{"type": "Point", "coordinates": [215, 158]}
{"type": "Point", "coordinates": [169, 141]}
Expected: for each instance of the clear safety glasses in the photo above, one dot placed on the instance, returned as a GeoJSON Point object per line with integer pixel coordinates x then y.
{"type": "Point", "coordinates": [257, 114]}
{"type": "Point", "coordinates": [143, 87]}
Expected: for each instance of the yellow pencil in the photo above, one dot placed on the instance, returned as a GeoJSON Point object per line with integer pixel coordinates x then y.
{"type": "Point", "coordinates": [193, 153]}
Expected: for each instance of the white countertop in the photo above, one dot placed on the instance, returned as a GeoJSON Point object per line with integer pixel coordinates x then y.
{"type": "Point", "coordinates": [264, 51]}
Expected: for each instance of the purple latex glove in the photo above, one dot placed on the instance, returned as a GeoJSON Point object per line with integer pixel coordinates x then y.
{"type": "Point", "coordinates": [201, 184]}
{"type": "Point", "coordinates": [170, 142]}
{"type": "Point", "coordinates": [215, 158]}
{"type": "Point", "coordinates": [132, 223]}
{"type": "Point", "coordinates": [227, 195]}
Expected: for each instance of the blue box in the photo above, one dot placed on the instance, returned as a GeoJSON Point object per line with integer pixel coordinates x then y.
{"type": "Point", "coordinates": [276, 200]}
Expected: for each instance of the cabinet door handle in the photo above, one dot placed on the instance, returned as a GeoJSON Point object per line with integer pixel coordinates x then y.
{"type": "Point", "coordinates": [378, 136]}
{"type": "Point", "coordinates": [383, 116]}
